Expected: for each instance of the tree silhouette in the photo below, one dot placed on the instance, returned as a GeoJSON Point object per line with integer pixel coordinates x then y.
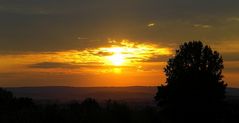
{"type": "Point", "coordinates": [194, 76]}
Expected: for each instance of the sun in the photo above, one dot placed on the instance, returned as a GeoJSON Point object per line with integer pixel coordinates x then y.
{"type": "Point", "coordinates": [127, 54]}
{"type": "Point", "coordinates": [117, 58]}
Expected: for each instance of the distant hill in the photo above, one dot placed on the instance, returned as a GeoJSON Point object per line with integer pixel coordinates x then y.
{"type": "Point", "coordinates": [135, 94]}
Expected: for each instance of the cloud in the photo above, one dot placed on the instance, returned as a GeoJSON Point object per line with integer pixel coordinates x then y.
{"type": "Point", "coordinates": [49, 65]}
{"type": "Point", "coordinates": [226, 47]}
{"type": "Point", "coordinates": [82, 38]}
{"type": "Point", "coordinates": [159, 58]}
{"type": "Point", "coordinates": [235, 19]}
{"type": "Point", "coordinates": [230, 56]}
{"type": "Point", "coordinates": [151, 25]}
{"type": "Point", "coordinates": [103, 53]}
{"type": "Point", "coordinates": [232, 69]}
{"type": "Point", "coordinates": [231, 66]}
{"type": "Point", "coordinates": [202, 26]}
{"type": "Point", "coordinates": [130, 52]}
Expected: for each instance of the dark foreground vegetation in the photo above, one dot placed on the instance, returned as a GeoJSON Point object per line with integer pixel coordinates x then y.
{"type": "Point", "coordinates": [26, 110]}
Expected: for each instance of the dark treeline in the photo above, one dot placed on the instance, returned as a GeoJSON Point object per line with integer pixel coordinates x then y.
{"type": "Point", "coordinates": [25, 110]}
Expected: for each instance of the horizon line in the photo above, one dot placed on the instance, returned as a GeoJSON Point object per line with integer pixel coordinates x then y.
{"type": "Point", "coordinates": [79, 86]}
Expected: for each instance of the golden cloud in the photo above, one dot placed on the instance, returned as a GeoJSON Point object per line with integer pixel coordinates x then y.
{"type": "Point", "coordinates": [123, 53]}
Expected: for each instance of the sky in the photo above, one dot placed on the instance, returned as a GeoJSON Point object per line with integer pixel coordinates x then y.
{"type": "Point", "coordinates": [109, 42]}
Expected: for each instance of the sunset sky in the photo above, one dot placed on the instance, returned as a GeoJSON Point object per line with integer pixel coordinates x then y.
{"type": "Point", "coordinates": [109, 42]}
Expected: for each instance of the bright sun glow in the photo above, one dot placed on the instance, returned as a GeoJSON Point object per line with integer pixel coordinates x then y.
{"type": "Point", "coordinates": [127, 53]}
{"type": "Point", "coordinates": [117, 59]}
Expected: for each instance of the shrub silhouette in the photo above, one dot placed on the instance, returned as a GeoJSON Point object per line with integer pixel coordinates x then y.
{"type": "Point", "coordinates": [117, 112]}
{"type": "Point", "coordinates": [5, 96]}
{"type": "Point", "coordinates": [193, 77]}
{"type": "Point", "coordinates": [90, 104]}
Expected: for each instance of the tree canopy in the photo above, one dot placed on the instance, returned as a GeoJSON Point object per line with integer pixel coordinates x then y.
{"type": "Point", "coordinates": [194, 75]}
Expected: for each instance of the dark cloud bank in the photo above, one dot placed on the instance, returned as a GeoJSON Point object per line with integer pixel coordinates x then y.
{"type": "Point", "coordinates": [50, 25]}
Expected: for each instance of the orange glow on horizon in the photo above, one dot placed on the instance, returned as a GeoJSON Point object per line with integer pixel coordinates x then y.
{"type": "Point", "coordinates": [123, 63]}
